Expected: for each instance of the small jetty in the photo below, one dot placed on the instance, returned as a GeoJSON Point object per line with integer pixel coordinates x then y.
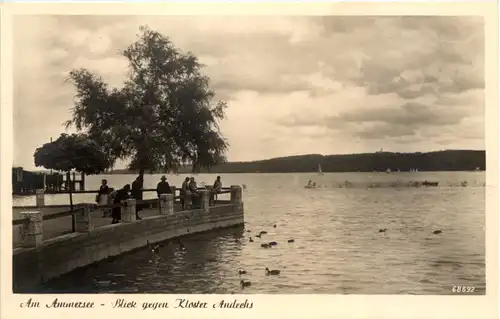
{"type": "Point", "coordinates": [26, 183]}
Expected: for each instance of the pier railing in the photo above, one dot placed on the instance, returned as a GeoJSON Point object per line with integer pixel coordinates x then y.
{"type": "Point", "coordinates": [28, 230]}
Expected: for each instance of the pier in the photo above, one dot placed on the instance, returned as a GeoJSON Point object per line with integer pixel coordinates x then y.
{"type": "Point", "coordinates": [26, 183]}
{"type": "Point", "coordinates": [45, 245]}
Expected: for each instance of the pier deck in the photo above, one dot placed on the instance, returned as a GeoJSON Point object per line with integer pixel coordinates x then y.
{"type": "Point", "coordinates": [63, 225]}
{"type": "Point", "coordinates": [51, 241]}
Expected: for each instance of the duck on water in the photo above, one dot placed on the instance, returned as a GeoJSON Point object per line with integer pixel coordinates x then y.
{"type": "Point", "coordinates": [155, 249]}
{"type": "Point", "coordinates": [272, 272]}
{"type": "Point", "coordinates": [242, 272]}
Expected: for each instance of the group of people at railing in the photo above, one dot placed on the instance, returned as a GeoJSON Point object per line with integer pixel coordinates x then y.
{"type": "Point", "coordinates": [189, 195]}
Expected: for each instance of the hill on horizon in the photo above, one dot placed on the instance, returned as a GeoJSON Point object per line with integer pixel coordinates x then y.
{"type": "Point", "coordinates": [448, 160]}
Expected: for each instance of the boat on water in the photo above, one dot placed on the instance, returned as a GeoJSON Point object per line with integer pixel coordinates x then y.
{"type": "Point", "coordinates": [388, 170]}
{"type": "Point", "coordinates": [310, 184]}
{"type": "Point", "coordinates": [320, 171]}
{"type": "Point", "coordinates": [426, 183]}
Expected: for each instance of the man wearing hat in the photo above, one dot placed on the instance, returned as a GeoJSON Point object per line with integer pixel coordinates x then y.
{"type": "Point", "coordinates": [163, 187]}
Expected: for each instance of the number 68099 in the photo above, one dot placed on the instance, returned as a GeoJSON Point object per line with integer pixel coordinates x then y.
{"type": "Point", "coordinates": [462, 289]}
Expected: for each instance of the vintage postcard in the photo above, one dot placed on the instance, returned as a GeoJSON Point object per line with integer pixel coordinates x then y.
{"type": "Point", "coordinates": [333, 160]}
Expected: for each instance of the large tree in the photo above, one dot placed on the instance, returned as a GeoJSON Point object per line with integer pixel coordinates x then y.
{"type": "Point", "coordinates": [162, 117]}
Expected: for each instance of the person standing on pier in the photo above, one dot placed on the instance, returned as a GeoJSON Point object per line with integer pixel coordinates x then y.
{"type": "Point", "coordinates": [193, 190]}
{"type": "Point", "coordinates": [121, 194]}
{"type": "Point", "coordinates": [184, 193]}
{"type": "Point", "coordinates": [163, 187]}
{"type": "Point", "coordinates": [102, 196]}
{"type": "Point", "coordinates": [136, 192]}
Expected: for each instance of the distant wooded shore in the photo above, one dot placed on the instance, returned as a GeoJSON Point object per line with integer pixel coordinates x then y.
{"type": "Point", "coordinates": [449, 160]}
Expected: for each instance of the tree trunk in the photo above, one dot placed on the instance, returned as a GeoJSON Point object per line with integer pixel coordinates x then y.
{"type": "Point", "coordinates": [70, 198]}
{"type": "Point", "coordinates": [141, 173]}
{"type": "Point", "coordinates": [68, 181]}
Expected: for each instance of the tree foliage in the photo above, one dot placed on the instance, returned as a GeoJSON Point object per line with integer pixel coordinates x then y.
{"type": "Point", "coordinates": [162, 117]}
{"type": "Point", "coordinates": [72, 152]}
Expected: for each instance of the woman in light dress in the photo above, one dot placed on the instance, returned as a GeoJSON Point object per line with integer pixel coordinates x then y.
{"type": "Point", "coordinates": [104, 197]}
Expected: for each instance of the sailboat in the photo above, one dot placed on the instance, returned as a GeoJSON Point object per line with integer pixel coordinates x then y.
{"type": "Point", "coordinates": [312, 184]}
{"type": "Point", "coordinates": [320, 172]}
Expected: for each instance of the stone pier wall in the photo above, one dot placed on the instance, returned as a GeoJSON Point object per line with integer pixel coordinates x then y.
{"type": "Point", "coordinates": [57, 256]}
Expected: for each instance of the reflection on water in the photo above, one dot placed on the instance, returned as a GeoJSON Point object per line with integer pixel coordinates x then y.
{"type": "Point", "coordinates": [337, 249]}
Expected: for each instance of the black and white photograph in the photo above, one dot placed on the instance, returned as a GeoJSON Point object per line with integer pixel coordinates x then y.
{"type": "Point", "coordinates": [249, 154]}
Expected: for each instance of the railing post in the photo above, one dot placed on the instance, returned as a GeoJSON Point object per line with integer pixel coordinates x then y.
{"type": "Point", "coordinates": [205, 200]}
{"type": "Point", "coordinates": [211, 194]}
{"type": "Point", "coordinates": [236, 198]}
{"type": "Point", "coordinates": [40, 197]}
{"type": "Point", "coordinates": [84, 219]}
{"type": "Point", "coordinates": [128, 211]}
{"type": "Point", "coordinates": [32, 231]}
{"type": "Point", "coordinates": [236, 194]}
{"type": "Point", "coordinates": [166, 204]}
{"type": "Point", "coordinates": [109, 201]}
{"type": "Point", "coordinates": [103, 200]}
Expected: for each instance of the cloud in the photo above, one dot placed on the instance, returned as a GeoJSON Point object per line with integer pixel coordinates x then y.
{"type": "Point", "coordinates": [330, 84]}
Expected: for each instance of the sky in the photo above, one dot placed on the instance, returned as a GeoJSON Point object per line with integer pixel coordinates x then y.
{"type": "Point", "coordinates": [294, 85]}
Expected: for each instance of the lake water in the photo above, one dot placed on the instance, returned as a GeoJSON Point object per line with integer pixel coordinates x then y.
{"type": "Point", "coordinates": [337, 250]}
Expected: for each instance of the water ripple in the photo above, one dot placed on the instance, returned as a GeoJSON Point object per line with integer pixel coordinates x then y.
{"type": "Point", "coordinates": [338, 248]}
